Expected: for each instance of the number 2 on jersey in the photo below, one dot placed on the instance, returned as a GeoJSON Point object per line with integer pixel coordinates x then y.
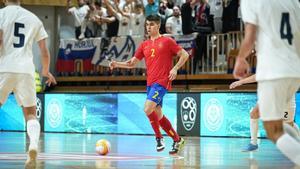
{"type": "Point", "coordinates": [21, 36]}
{"type": "Point", "coordinates": [152, 53]}
{"type": "Point", "coordinates": [285, 28]}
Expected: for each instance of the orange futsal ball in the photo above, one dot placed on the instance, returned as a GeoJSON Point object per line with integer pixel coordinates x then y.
{"type": "Point", "coordinates": [102, 147]}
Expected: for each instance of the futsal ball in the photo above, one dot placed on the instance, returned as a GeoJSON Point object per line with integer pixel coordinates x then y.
{"type": "Point", "coordinates": [102, 147]}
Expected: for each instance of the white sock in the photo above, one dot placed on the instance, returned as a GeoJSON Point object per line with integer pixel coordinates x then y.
{"type": "Point", "coordinates": [253, 130]}
{"type": "Point", "coordinates": [296, 127]}
{"type": "Point", "coordinates": [291, 131]}
{"type": "Point", "coordinates": [33, 131]}
{"type": "Point", "coordinates": [289, 147]}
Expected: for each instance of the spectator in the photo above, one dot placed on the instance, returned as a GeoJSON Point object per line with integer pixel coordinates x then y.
{"type": "Point", "coordinates": [164, 12]}
{"type": "Point", "coordinates": [230, 16]}
{"type": "Point", "coordinates": [203, 27]}
{"type": "Point", "coordinates": [138, 20]}
{"type": "Point", "coordinates": [174, 23]}
{"type": "Point", "coordinates": [91, 18]}
{"type": "Point", "coordinates": [202, 14]}
{"type": "Point", "coordinates": [129, 4]}
{"type": "Point", "coordinates": [216, 10]}
{"type": "Point", "coordinates": [79, 14]}
{"type": "Point", "coordinates": [152, 7]}
{"type": "Point", "coordinates": [186, 15]}
{"type": "Point", "coordinates": [112, 24]}
{"type": "Point", "coordinates": [122, 16]}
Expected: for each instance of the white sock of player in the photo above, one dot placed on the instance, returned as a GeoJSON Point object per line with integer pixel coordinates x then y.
{"type": "Point", "coordinates": [296, 127]}
{"type": "Point", "coordinates": [289, 147]}
{"type": "Point", "coordinates": [291, 131]}
{"type": "Point", "coordinates": [253, 130]}
{"type": "Point", "coordinates": [33, 131]}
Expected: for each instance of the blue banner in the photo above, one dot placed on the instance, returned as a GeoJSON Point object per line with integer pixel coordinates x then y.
{"type": "Point", "coordinates": [132, 118]}
{"type": "Point", "coordinates": [11, 116]}
{"type": "Point", "coordinates": [227, 114]}
{"type": "Point", "coordinates": [87, 113]}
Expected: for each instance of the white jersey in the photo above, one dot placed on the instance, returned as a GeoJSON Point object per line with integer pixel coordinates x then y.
{"type": "Point", "coordinates": [20, 29]}
{"type": "Point", "coordinates": [79, 14]}
{"type": "Point", "coordinates": [137, 24]}
{"type": "Point", "coordinates": [176, 25]}
{"type": "Point", "coordinates": [124, 25]}
{"type": "Point", "coordinates": [278, 36]}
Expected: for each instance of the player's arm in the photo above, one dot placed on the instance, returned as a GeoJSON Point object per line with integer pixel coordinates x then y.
{"type": "Point", "coordinates": [127, 64]}
{"type": "Point", "coordinates": [46, 62]}
{"type": "Point", "coordinates": [250, 79]}
{"type": "Point", "coordinates": [1, 38]}
{"type": "Point", "coordinates": [242, 68]}
{"type": "Point", "coordinates": [183, 57]}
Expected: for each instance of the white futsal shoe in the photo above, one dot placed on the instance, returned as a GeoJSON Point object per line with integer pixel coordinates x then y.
{"type": "Point", "coordinates": [32, 156]}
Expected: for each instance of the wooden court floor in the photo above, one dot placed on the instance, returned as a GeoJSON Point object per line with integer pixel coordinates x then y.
{"type": "Point", "coordinates": [77, 151]}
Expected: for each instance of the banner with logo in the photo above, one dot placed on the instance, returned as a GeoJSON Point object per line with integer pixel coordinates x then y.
{"type": "Point", "coordinates": [119, 49]}
{"type": "Point", "coordinates": [187, 42]}
{"type": "Point", "coordinates": [79, 57]}
{"type": "Point", "coordinates": [82, 113]}
{"type": "Point", "coordinates": [227, 114]}
{"type": "Point", "coordinates": [76, 56]}
{"type": "Point", "coordinates": [132, 118]}
{"type": "Point", "coordinates": [188, 114]}
{"type": "Point", "coordinates": [40, 110]}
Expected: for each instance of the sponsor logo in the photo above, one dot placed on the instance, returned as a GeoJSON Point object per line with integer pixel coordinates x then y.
{"type": "Point", "coordinates": [188, 110]}
{"type": "Point", "coordinates": [54, 115]}
{"type": "Point", "coordinates": [39, 108]}
{"type": "Point", "coordinates": [213, 115]}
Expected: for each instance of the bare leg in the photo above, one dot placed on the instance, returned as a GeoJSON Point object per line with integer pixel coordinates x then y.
{"type": "Point", "coordinates": [284, 142]}
{"type": "Point", "coordinates": [274, 129]}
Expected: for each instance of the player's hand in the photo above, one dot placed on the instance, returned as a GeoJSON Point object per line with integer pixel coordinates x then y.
{"type": "Point", "coordinates": [173, 74]}
{"type": "Point", "coordinates": [112, 64]}
{"type": "Point", "coordinates": [241, 68]}
{"type": "Point", "coordinates": [235, 84]}
{"type": "Point", "coordinates": [130, 63]}
{"type": "Point", "coordinates": [50, 78]}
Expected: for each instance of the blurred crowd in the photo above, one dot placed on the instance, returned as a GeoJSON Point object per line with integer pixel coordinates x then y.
{"type": "Point", "coordinates": [108, 18]}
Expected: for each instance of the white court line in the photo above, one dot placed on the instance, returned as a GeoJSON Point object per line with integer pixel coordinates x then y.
{"type": "Point", "coordinates": [70, 157]}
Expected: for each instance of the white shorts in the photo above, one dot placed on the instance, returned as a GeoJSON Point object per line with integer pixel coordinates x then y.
{"type": "Point", "coordinates": [274, 97]}
{"type": "Point", "coordinates": [290, 110]}
{"type": "Point", "coordinates": [23, 86]}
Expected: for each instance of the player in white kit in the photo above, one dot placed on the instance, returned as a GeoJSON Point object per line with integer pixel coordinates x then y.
{"type": "Point", "coordinates": [19, 28]}
{"type": "Point", "coordinates": [275, 27]}
{"type": "Point", "coordinates": [288, 116]}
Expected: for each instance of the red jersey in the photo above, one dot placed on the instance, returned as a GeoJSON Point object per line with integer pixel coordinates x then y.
{"type": "Point", "coordinates": [158, 56]}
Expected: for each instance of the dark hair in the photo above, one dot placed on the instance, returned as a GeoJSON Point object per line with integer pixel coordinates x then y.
{"type": "Point", "coordinates": [98, 3]}
{"type": "Point", "coordinates": [139, 5]}
{"type": "Point", "coordinates": [153, 17]}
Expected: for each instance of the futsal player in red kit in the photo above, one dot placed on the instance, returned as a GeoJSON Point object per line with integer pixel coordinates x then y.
{"type": "Point", "coordinates": [158, 52]}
